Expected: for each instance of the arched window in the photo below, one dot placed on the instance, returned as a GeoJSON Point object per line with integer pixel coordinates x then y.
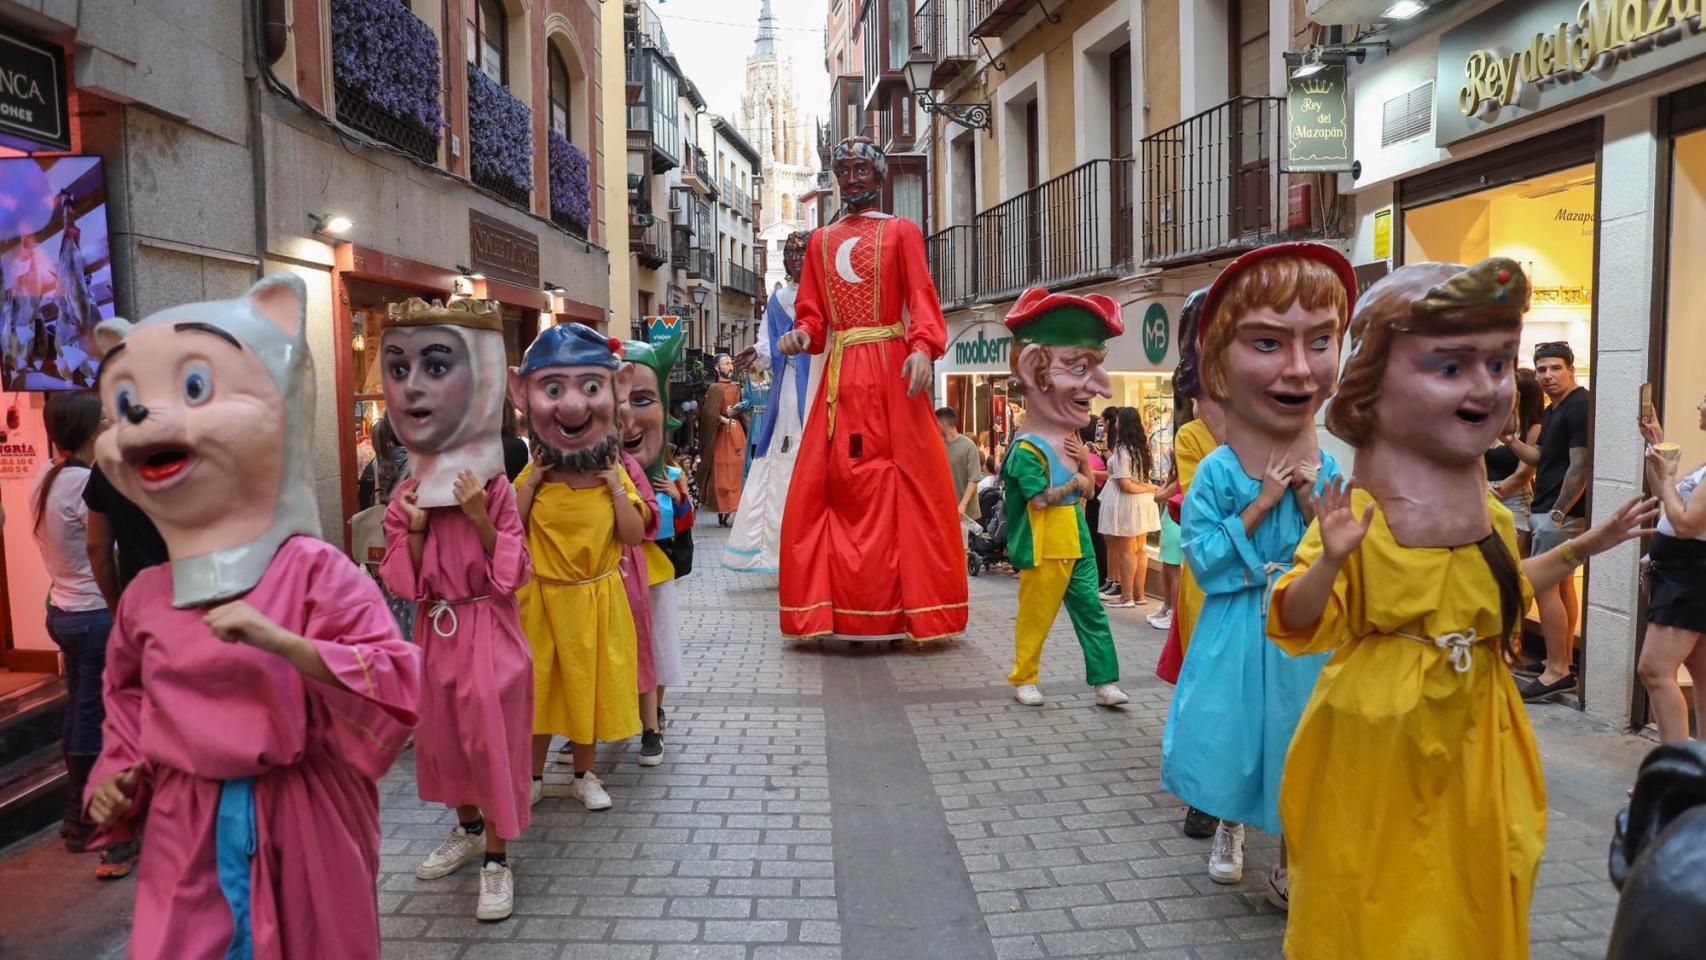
{"type": "Point", "coordinates": [559, 93]}
{"type": "Point", "coordinates": [488, 40]}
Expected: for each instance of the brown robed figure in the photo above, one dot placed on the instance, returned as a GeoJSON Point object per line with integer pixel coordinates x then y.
{"type": "Point", "coordinates": [722, 444]}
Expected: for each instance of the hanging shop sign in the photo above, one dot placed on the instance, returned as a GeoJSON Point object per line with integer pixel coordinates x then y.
{"type": "Point", "coordinates": [659, 329]}
{"type": "Point", "coordinates": [1383, 233]}
{"type": "Point", "coordinates": [33, 112]}
{"type": "Point", "coordinates": [1519, 59]}
{"type": "Point", "coordinates": [499, 250]}
{"type": "Point", "coordinates": [1317, 122]}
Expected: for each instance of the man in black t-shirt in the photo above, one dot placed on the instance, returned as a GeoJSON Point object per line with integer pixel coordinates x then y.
{"type": "Point", "coordinates": [1559, 512]}
{"type": "Point", "coordinates": [122, 540]}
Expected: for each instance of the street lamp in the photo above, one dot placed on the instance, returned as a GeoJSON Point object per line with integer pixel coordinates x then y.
{"type": "Point", "coordinates": [919, 67]}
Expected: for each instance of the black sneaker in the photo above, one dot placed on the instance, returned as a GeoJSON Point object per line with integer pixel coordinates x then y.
{"type": "Point", "coordinates": [651, 748]}
{"type": "Point", "coordinates": [1199, 825]}
{"type": "Point", "coordinates": [1534, 691]}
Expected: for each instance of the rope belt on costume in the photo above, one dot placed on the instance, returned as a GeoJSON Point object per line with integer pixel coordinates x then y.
{"type": "Point", "coordinates": [839, 342]}
{"type": "Point", "coordinates": [443, 608]}
{"type": "Point", "coordinates": [1272, 570]}
{"type": "Point", "coordinates": [606, 575]}
{"type": "Point", "coordinates": [1456, 645]}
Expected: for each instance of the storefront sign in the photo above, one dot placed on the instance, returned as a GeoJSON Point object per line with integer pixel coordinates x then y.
{"type": "Point", "coordinates": [500, 250]}
{"type": "Point", "coordinates": [981, 351]}
{"type": "Point", "coordinates": [33, 113]}
{"type": "Point", "coordinates": [1383, 233]}
{"type": "Point", "coordinates": [1317, 122]}
{"type": "Point", "coordinates": [18, 461]}
{"type": "Point", "coordinates": [1518, 59]}
{"type": "Point", "coordinates": [1155, 333]}
{"type": "Point", "coordinates": [659, 329]}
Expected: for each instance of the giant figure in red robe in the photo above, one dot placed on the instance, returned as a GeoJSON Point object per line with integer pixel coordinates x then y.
{"type": "Point", "coordinates": [871, 544]}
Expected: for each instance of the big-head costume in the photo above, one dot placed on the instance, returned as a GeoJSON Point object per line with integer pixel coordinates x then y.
{"type": "Point", "coordinates": [575, 611]}
{"type": "Point", "coordinates": [1238, 696]}
{"type": "Point", "coordinates": [1417, 676]}
{"type": "Point", "coordinates": [871, 543]}
{"type": "Point", "coordinates": [755, 544]}
{"type": "Point", "coordinates": [1060, 343]}
{"type": "Point", "coordinates": [245, 763]}
{"type": "Point", "coordinates": [668, 550]}
{"type": "Point", "coordinates": [444, 375]}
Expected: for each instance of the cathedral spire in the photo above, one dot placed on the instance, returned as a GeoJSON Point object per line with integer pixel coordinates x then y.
{"type": "Point", "coordinates": [766, 46]}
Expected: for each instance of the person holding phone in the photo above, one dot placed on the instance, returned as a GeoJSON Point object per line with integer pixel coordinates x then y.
{"type": "Point", "coordinates": [1676, 602]}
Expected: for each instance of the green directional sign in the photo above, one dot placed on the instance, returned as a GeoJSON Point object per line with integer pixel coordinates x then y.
{"type": "Point", "coordinates": [1155, 333]}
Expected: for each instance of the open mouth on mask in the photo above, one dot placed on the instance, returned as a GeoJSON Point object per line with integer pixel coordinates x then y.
{"type": "Point", "coordinates": [574, 433]}
{"type": "Point", "coordinates": [1292, 400]}
{"type": "Point", "coordinates": [160, 465]}
{"type": "Point", "coordinates": [1472, 415]}
{"type": "Point", "coordinates": [419, 415]}
{"type": "Point", "coordinates": [631, 444]}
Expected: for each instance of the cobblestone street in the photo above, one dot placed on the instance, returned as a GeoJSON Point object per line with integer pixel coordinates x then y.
{"type": "Point", "coordinates": [821, 802]}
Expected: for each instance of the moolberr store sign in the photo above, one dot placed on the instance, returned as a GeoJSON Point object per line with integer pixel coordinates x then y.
{"type": "Point", "coordinates": [1519, 59]}
{"type": "Point", "coordinates": [33, 112]}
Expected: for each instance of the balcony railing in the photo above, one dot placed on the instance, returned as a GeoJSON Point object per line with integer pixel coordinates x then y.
{"type": "Point", "coordinates": [742, 203]}
{"type": "Point", "coordinates": [741, 280]}
{"type": "Point", "coordinates": [1212, 183]}
{"type": "Point", "coordinates": [648, 237]}
{"type": "Point", "coordinates": [1074, 228]}
{"type": "Point", "coordinates": [952, 265]}
{"type": "Point", "coordinates": [941, 29]}
{"type": "Point", "coordinates": [990, 17]}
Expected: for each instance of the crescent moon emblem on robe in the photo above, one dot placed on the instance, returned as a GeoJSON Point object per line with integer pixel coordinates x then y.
{"type": "Point", "coordinates": [844, 261]}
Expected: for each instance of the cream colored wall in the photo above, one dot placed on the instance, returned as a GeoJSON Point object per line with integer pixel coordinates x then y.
{"type": "Point", "coordinates": [614, 93]}
{"type": "Point", "coordinates": [1160, 64]}
{"type": "Point", "coordinates": [1685, 334]}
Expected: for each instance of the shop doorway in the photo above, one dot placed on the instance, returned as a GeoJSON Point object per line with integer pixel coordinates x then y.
{"type": "Point", "coordinates": [1540, 209]}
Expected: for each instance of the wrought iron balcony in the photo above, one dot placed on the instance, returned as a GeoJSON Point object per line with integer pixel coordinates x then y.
{"type": "Point", "coordinates": [702, 264]}
{"type": "Point", "coordinates": [1212, 183]}
{"type": "Point", "coordinates": [953, 265]}
{"type": "Point", "coordinates": [1072, 229]}
{"type": "Point", "coordinates": [989, 18]}
{"type": "Point", "coordinates": [942, 31]}
{"type": "Point", "coordinates": [648, 237]}
{"type": "Point", "coordinates": [738, 279]}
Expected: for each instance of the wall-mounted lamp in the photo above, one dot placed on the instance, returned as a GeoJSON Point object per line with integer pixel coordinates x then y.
{"type": "Point", "coordinates": [1404, 9]}
{"type": "Point", "coordinates": [1320, 56]}
{"type": "Point", "coordinates": [699, 292]}
{"type": "Point", "coordinates": [330, 224]}
{"type": "Point", "coordinates": [359, 343]}
{"type": "Point", "coordinates": [919, 68]}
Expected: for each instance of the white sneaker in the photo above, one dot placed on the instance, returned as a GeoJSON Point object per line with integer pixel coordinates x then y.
{"type": "Point", "coordinates": [589, 790]}
{"type": "Point", "coordinates": [497, 893]}
{"type": "Point", "coordinates": [1279, 888]}
{"type": "Point", "coordinates": [1162, 620]}
{"type": "Point", "coordinates": [1110, 695]}
{"type": "Point", "coordinates": [538, 793]}
{"type": "Point", "coordinates": [456, 850]}
{"type": "Point", "coordinates": [1028, 694]}
{"type": "Point", "coordinates": [1226, 860]}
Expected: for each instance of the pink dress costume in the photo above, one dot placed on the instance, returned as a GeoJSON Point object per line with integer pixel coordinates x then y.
{"type": "Point", "coordinates": [634, 577]}
{"type": "Point", "coordinates": [476, 706]}
{"type": "Point", "coordinates": [199, 713]}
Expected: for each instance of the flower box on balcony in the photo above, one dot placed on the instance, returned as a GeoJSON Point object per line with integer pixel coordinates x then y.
{"type": "Point", "coordinates": [571, 186]}
{"type": "Point", "coordinates": [500, 139]}
{"type": "Point", "coordinates": [385, 71]}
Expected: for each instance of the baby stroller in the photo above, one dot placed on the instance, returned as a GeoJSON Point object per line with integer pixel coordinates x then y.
{"type": "Point", "coordinates": [987, 544]}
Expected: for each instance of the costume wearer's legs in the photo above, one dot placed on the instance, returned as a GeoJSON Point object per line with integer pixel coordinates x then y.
{"type": "Point", "coordinates": [1090, 622]}
{"type": "Point", "coordinates": [1041, 589]}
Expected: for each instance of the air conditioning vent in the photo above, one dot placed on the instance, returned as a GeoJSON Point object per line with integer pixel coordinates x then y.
{"type": "Point", "coordinates": [1408, 115]}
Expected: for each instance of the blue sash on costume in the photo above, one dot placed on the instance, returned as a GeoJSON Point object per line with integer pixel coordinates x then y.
{"type": "Point", "coordinates": [234, 849]}
{"type": "Point", "coordinates": [1058, 472]}
{"type": "Point", "coordinates": [778, 321]}
{"type": "Point", "coordinates": [666, 508]}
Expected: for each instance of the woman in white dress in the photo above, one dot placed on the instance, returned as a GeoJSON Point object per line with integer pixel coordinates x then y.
{"type": "Point", "coordinates": [1129, 513]}
{"type": "Point", "coordinates": [754, 544]}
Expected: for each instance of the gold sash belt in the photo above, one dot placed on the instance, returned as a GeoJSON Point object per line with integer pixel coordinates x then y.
{"type": "Point", "coordinates": [841, 340]}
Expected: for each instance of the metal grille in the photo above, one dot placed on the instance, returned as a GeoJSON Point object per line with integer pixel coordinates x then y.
{"type": "Point", "coordinates": [1407, 116]}
{"type": "Point", "coordinates": [1212, 182]}
{"type": "Point", "coordinates": [1064, 230]}
{"type": "Point", "coordinates": [952, 267]}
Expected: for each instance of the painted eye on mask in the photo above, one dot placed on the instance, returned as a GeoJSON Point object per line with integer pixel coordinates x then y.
{"type": "Point", "coordinates": [198, 384]}
{"type": "Point", "coordinates": [553, 390]}
{"type": "Point", "coordinates": [124, 401]}
{"type": "Point", "coordinates": [437, 368]}
{"type": "Point", "coordinates": [1266, 344]}
{"type": "Point", "coordinates": [592, 388]}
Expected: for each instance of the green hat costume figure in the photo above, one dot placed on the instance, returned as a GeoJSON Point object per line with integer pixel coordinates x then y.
{"type": "Point", "coordinates": [1060, 344]}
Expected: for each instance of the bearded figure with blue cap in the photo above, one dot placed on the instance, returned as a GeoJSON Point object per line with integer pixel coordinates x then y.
{"type": "Point", "coordinates": [580, 509]}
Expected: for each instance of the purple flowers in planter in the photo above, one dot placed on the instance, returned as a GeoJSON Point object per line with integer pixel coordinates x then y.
{"type": "Point", "coordinates": [388, 55]}
{"type": "Point", "coordinates": [571, 188]}
{"type": "Point", "coordinates": [500, 133]}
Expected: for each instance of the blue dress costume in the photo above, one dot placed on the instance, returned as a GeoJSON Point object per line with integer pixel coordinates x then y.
{"type": "Point", "coordinates": [1239, 697]}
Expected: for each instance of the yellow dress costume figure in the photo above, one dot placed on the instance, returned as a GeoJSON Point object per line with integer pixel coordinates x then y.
{"type": "Point", "coordinates": [576, 615]}
{"type": "Point", "coordinates": [1412, 799]}
{"type": "Point", "coordinates": [1193, 442]}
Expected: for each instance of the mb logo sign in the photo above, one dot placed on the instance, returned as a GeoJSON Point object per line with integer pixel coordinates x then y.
{"type": "Point", "coordinates": [1155, 333]}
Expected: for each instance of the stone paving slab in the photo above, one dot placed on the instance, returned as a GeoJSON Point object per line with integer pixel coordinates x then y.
{"type": "Point", "coordinates": [1028, 832]}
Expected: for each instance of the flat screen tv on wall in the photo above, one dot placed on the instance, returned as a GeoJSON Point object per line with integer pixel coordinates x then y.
{"type": "Point", "coordinates": [55, 269]}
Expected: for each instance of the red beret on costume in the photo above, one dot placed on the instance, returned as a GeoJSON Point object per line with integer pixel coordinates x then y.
{"type": "Point", "coordinates": [1306, 249]}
